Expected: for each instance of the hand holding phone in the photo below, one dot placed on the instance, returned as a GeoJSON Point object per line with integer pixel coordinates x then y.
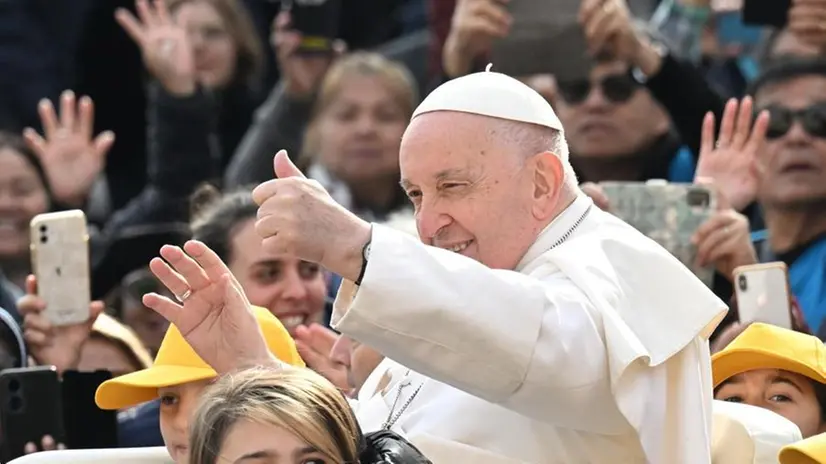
{"type": "Point", "coordinates": [30, 409]}
{"type": "Point", "coordinates": [57, 346]}
{"type": "Point", "coordinates": [60, 260]}
{"type": "Point", "coordinates": [763, 295]}
{"type": "Point", "coordinates": [317, 21]}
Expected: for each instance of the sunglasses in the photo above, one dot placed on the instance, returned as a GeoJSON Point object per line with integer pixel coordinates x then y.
{"type": "Point", "coordinates": [812, 119]}
{"type": "Point", "coordinates": [617, 88]}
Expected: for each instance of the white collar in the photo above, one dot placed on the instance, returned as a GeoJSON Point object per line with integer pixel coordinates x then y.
{"type": "Point", "coordinates": [556, 230]}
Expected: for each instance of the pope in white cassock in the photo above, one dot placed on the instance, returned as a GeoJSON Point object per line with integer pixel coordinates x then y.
{"type": "Point", "coordinates": [526, 326]}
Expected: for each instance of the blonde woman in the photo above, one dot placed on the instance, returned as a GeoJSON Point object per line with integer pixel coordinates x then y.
{"type": "Point", "coordinates": [286, 415]}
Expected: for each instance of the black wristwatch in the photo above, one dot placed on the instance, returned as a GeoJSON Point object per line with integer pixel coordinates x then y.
{"type": "Point", "coordinates": [365, 255]}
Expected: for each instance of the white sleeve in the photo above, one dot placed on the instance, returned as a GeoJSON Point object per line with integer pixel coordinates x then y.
{"type": "Point", "coordinates": [531, 345]}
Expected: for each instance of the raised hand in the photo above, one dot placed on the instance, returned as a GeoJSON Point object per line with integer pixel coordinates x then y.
{"type": "Point", "coordinates": [71, 158]}
{"type": "Point", "coordinates": [731, 161]}
{"type": "Point", "coordinates": [50, 345]}
{"type": "Point", "coordinates": [213, 313]}
{"type": "Point", "coordinates": [165, 46]}
{"type": "Point", "coordinates": [298, 218]}
{"type": "Point", "coordinates": [302, 73]}
{"type": "Point", "coordinates": [475, 24]}
{"type": "Point", "coordinates": [314, 344]}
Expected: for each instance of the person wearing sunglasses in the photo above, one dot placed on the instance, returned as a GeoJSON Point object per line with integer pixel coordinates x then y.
{"type": "Point", "coordinates": [791, 170]}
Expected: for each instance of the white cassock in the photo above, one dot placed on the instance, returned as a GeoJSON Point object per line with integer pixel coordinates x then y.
{"type": "Point", "coordinates": [592, 351]}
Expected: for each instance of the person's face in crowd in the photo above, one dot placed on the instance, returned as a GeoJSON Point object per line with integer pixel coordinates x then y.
{"type": "Point", "coordinates": [359, 360]}
{"type": "Point", "coordinates": [474, 191]}
{"type": "Point", "coordinates": [100, 353]}
{"type": "Point", "coordinates": [609, 114]}
{"type": "Point", "coordinates": [254, 442]}
{"type": "Point", "coordinates": [786, 393]}
{"type": "Point", "coordinates": [293, 290]}
{"type": "Point", "coordinates": [792, 164]}
{"type": "Point", "coordinates": [360, 131]}
{"type": "Point", "coordinates": [215, 50]}
{"type": "Point", "coordinates": [178, 403]}
{"type": "Point", "coordinates": [22, 196]}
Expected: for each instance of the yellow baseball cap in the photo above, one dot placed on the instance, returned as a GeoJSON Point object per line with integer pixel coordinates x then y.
{"type": "Point", "coordinates": [809, 451]}
{"type": "Point", "coordinates": [765, 346]}
{"type": "Point", "coordinates": [177, 363]}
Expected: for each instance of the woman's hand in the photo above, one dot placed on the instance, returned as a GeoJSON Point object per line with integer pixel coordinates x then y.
{"type": "Point", "coordinates": [50, 345]}
{"type": "Point", "coordinates": [47, 443]}
{"type": "Point", "coordinates": [302, 74]}
{"type": "Point", "coordinates": [165, 46]}
{"type": "Point", "coordinates": [71, 158]}
{"type": "Point", "coordinates": [731, 161]}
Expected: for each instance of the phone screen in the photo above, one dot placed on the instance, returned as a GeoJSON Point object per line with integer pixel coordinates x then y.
{"type": "Point", "coordinates": [766, 12]}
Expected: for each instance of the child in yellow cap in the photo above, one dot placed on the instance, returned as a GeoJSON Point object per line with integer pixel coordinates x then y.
{"type": "Point", "coordinates": [776, 369]}
{"type": "Point", "coordinates": [179, 376]}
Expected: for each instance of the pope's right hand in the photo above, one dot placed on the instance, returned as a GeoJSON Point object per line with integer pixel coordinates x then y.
{"type": "Point", "coordinates": [214, 315]}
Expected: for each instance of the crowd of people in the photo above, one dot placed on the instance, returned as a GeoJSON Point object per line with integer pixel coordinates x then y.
{"type": "Point", "coordinates": [390, 252]}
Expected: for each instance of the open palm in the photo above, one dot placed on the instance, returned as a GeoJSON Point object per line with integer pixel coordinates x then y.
{"type": "Point", "coordinates": [165, 46]}
{"type": "Point", "coordinates": [214, 317]}
{"type": "Point", "coordinates": [731, 161]}
{"type": "Point", "coordinates": [71, 157]}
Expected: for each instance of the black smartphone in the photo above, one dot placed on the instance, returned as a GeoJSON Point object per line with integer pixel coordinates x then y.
{"type": "Point", "coordinates": [317, 21]}
{"type": "Point", "coordinates": [30, 408]}
{"type": "Point", "coordinates": [773, 13]}
{"type": "Point", "coordinates": [86, 425]}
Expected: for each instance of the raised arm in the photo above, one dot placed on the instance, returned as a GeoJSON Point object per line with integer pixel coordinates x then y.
{"type": "Point", "coordinates": [532, 345]}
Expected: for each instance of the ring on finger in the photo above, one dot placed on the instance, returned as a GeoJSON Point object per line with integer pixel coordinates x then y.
{"type": "Point", "coordinates": [183, 298]}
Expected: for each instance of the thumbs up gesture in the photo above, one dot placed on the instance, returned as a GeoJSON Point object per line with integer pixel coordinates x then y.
{"type": "Point", "coordinates": [297, 218]}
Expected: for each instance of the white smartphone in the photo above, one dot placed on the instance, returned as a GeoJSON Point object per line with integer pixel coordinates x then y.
{"type": "Point", "coordinates": [60, 261]}
{"type": "Point", "coordinates": [763, 294]}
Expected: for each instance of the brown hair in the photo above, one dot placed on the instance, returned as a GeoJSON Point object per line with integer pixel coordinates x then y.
{"type": "Point", "coordinates": [110, 329]}
{"type": "Point", "coordinates": [295, 399]}
{"type": "Point", "coordinates": [393, 74]}
{"type": "Point", "coordinates": [240, 27]}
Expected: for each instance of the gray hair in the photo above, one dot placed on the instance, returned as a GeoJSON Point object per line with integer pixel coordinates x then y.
{"type": "Point", "coordinates": [533, 139]}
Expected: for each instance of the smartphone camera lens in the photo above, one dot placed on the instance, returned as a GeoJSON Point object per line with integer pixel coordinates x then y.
{"type": "Point", "coordinates": [44, 239]}
{"type": "Point", "coordinates": [13, 385]}
{"type": "Point", "coordinates": [15, 404]}
{"type": "Point", "coordinates": [741, 282]}
{"type": "Point", "coordinates": [43, 228]}
{"type": "Point", "coordinates": [698, 198]}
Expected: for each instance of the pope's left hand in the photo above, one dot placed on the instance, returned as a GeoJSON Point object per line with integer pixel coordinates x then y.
{"type": "Point", "coordinates": [297, 218]}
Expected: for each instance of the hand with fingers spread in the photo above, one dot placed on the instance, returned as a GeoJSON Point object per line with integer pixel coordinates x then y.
{"type": "Point", "coordinates": [302, 73]}
{"type": "Point", "coordinates": [47, 443]}
{"type": "Point", "coordinates": [731, 161]}
{"type": "Point", "coordinates": [297, 218]}
{"type": "Point", "coordinates": [475, 24]}
{"type": "Point", "coordinates": [212, 312]}
{"type": "Point", "coordinates": [71, 158]}
{"type": "Point", "coordinates": [807, 21]}
{"type": "Point", "coordinates": [50, 345]}
{"type": "Point", "coordinates": [165, 46]}
{"type": "Point", "coordinates": [314, 344]}
{"type": "Point", "coordinates": [724, 239]}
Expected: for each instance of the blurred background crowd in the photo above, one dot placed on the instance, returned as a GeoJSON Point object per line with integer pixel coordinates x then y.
{"type": "Point", "coordinates": [156, 119]}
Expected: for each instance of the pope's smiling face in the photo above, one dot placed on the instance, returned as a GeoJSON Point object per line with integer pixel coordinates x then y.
{"type": "Point", "coordinates": [475, 190]}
